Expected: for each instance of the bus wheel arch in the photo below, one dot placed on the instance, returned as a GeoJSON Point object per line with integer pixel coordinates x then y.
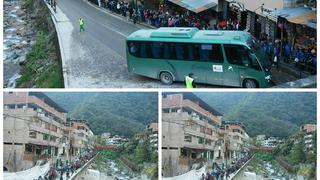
{"type": "Point", "coordinates": [166, 77]}
{"type": "Point", "coordinates": [250, 83]}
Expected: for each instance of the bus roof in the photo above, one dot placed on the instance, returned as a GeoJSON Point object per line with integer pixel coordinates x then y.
{"type": "Point", "coordinates": [190, 35]}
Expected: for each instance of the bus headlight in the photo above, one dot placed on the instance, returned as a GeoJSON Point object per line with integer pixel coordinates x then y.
{"type": "Point", "coordinates": [268, 77]}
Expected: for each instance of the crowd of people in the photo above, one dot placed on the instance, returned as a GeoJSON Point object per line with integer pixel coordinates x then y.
{"type": "Point", "coordinates": [220, 173]}
{"type": "Point", "coordinates": [61, 168]}
{"type": "Point", "coordinates": [304, 59]}
{"type": "Point", "coordinates": [164, 17]}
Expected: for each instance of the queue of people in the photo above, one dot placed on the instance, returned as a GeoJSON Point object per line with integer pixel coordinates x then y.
{"type": "Point", "coordinates": [64, 169]}
{"type": "Point", "coordinates": [303, 59]}
{"type": "Point", "coordinates": [221, 173]}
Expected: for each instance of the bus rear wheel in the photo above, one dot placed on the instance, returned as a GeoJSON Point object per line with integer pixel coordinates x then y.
{"type": "Point", "coordinates": [249, 83]}
{"type": "Point", "coordinates": [166, 78]}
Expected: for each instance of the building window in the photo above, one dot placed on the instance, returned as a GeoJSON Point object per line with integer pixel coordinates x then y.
{"type": "Point", "coordinates": [33, 134]}
{"type": "Point", "coordinates": [200, 140]}
{"type": "Point", "coordinates": [28, 148]}
{"type": "Point", "coordinates": [211, 154]}
{"type": "Point", "coordinates": [53, 128]}
{"type": "Point", "coordinates": [209, 131]}
{"type": "Point", "coordinates": [187, 138]}
{"type": "Point", "coordinates": [45, 137]}
{"type": "Point", "coordinates": [47, 125]}
{"type": "Point", "coordinates": [202, 129]}
{"type": "Point", "coordinates": [208, 142]}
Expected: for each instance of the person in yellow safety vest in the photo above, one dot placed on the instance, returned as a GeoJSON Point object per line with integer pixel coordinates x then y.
{"type": "Point", "coordinates": [81, 22]}
{"type": "Point", "coordinates": [189, 81]}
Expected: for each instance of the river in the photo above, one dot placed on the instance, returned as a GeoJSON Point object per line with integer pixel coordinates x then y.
{"type": "Point", "coordinates": [265, 170]}
{"type": "Point", "coordinates": [18, 36]}
{"type": "Point", "coordinates": [110, 170]}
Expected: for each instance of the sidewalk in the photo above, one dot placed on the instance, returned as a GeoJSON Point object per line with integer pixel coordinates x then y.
{"type": "Point", "coordinates": [119, 16]}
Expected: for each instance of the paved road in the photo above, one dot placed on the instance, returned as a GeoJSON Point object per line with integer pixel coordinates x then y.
{"type": "Point", "coordinates": [98, 54]}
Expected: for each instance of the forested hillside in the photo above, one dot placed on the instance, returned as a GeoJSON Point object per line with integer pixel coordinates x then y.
{"type": "Point", "coordinates": [273, 114]}
{"type": "Point", "coordinates": [118, 113]}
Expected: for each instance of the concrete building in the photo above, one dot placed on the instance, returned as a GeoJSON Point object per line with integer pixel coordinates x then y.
{"type": "Point", "coordinates": [190, 133]}
{"type": "Point", "coordinates": [32, 129]}
{"type": "Point", "coordinates": [308, 128]}
{"type": "Point", "coordinates": [308, 138]}
{"type": "Point", "coordinates": [258, 16]}
{"type": "Point", "coordinates": [261, 137]}
{"type": "Point", "coordinates": [80, 137]}
{"type": "Point", "coordinates": [237, 139]}
{"type": "Point", "coordinates": [152, 129]}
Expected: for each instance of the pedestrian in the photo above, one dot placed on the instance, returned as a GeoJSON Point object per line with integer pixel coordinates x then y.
{"type": "Point", "coordinates": [40, 178]}
{"type": "Point", "coordinates": [287, 53]}
{"type": "Point", "coordinates": [81, 23]}
{"type": "Point", "coordinates": [189, 81]}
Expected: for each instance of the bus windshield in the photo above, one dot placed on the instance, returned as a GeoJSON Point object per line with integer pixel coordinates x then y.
{"type": "Point", "coordinates": [258, 51]}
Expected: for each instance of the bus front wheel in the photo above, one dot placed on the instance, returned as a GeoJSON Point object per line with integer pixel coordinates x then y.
{"type": "Point", "coordinates": [249, 83]}
{"type": "Point", "coordinates": [166, 78]}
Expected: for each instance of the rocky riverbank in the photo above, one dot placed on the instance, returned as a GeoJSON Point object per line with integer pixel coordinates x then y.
{"type": "Point", "coordinates": [19, 36]}
{"type": "Point", "coordinates": [31, 50]}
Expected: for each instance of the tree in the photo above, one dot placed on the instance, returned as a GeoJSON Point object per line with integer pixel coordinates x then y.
{"type": "Point", "coordinates": [142, 152]}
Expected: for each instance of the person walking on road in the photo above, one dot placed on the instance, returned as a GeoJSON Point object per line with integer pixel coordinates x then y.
{"type": "Point", "coordinates": [81, 23]}
{"type": "Point", "coordinates": [189, 81]}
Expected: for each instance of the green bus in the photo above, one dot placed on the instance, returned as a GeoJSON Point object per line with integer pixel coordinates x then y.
{"type": "Point", "coordinates": [227, 58]}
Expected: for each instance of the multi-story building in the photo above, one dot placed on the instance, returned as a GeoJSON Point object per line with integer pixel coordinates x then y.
{"type": "Point", "coordinates": [152, 129]}
{"type": "Point", "coordinates": [308, 138]}
{"type": "Point", "coordinates": [32, 129]}
{"type": "Point", "coordinates": [80, 137]}
{"type": "Point", "coordinates": [307, 128]}
{"type": "Point", "coordinates": [237, 139]}
{"type": "Point", "coordinates": [191, 133]}
{"type": "Point", "coordinates": [261, 16]}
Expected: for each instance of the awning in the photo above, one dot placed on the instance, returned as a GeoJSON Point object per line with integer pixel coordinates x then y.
{"type": "Point", "coordinates": [298, 15]}
{"type": "Point", "coordinates": [196, 5]}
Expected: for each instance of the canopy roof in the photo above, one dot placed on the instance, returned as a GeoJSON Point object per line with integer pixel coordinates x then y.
{"type": "Point", "coordinates": [196, 5]}
{"type": "Point", "coordinates": [298, 15]}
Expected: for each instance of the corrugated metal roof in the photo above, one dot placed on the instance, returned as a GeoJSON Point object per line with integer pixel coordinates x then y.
{"type": "Point", "coordinates": [196, 5]}
{"type": "Point", "coordinates": [298, 15]}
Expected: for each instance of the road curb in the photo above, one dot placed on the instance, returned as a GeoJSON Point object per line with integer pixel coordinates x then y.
{"type": "Point", "coordinates": [62, 53]}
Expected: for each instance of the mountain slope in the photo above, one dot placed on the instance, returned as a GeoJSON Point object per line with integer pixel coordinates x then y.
{"type": "Point", "coordinates": [273, 114]}
{"type": "Point", "coordinates": [118, 113]}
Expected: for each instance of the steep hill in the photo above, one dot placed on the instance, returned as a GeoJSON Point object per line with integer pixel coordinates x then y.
{"type": "Point", "coordinates": [118, 113]}
{"type": "Point", "coordinates": [273, 114]}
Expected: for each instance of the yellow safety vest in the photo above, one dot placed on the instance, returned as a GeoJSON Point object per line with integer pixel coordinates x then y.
{"type": "Point", "coordinates": [81, 22]}
{"type": "Point", "coordinates": [189, 81]}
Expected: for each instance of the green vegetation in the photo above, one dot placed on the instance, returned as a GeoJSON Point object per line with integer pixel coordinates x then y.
{"type": "Point", "coordinates": [42, 68]}
{"type": "Point", "coordinates": [117, 113]}
{"type": "Point", "coordinates": [136, 154]}
{"type": "Point", "coordinates": [295, 154]}
{"type": "Point", "coordinates": [273, 114]}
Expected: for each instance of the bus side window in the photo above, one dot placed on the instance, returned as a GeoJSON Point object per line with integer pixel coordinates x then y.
{"type": "Point", "coordinates": [145, 50]}
{"type": "Point", "coordinates": [156, 50]}
{"type": "Point", "coordinates": [166, 51]}
{"type": "Point", "coordinates": [193, 51]}
{"type": "Point", "coordinates": [217, 56]}
{"type": "Point", "coordinates": [205, 52]}
{"type": "Point", "coordinates": [133, 48]}
{"type": "Point", "coordinates": [180, 51]}
{"type": "Point", "coordinates": [234, 54]}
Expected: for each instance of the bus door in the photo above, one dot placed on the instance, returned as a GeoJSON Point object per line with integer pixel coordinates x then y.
{"type": "Point", "coordinates": [234, 55]}
{"type": "Point", "coordinates": [214, 64]}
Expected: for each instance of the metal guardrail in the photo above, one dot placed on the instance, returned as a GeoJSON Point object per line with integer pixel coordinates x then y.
{"type": "Point", "coordinates": [240, 171]}
{"type": "Point", "coordinates": [84, 167]}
